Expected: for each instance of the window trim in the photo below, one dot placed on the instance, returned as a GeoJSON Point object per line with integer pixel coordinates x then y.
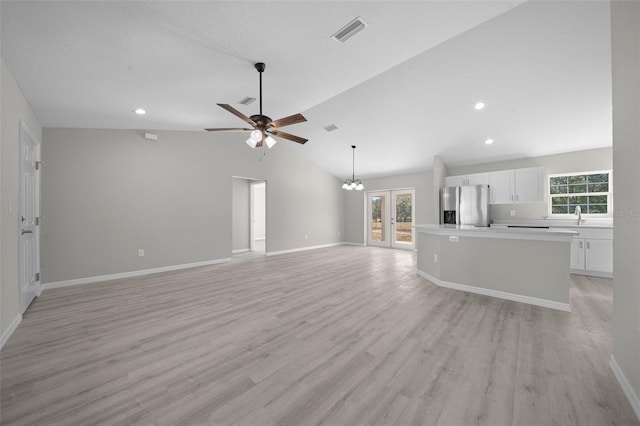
{"type": "Point", "coordinates": [609, 195]}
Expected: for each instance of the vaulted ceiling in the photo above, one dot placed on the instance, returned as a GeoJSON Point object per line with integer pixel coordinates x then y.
{"type": "Point", "coordinates": [402, 90]}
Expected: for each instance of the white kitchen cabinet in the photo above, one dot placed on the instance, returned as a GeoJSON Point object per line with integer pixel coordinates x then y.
{"type": "Point", "coordinates": [598, 255]}
{"type": "Point", "coordinates": [592, 252]}
{"type": "Point", "coordinates": [454, 181]}
{"type": "Point", "coordinates": [529, 185]}
{"type": "Point", "coordinates": [517, 186]}
{"type": "Point", "coordinates": [472, 179]}
{"type": "Point", "coordinates": [577, 253]}
{"type": "Point", "coordinates": [502, 187]}
{"type": "Point", "coordinates": [478, 179]}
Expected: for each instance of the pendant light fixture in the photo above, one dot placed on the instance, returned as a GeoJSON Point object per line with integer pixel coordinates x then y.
{"type": "Point", "coordinates": [351, 184]}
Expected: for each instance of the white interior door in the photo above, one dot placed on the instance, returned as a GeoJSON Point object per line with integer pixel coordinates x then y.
{"type": "Point", "coordinates": [29, 217]}
{"type": "Point", "coordinates": [390, 218]}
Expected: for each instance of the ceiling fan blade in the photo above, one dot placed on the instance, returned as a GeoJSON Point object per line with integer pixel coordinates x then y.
{"type": "Point", "coordinates": [287, 121]}
{"type": "Point", "coordinates": [284, 135]}
{"type": "Point", "coordinates": [228, 129]}
{"type": "Point", "coordinates": [237, 113]}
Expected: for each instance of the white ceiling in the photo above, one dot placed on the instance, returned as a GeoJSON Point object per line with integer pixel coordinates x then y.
{"type": "Point", "coordinates": [402, 90]}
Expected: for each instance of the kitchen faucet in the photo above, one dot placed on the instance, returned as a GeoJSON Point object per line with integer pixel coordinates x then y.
{"type": "Point", "coordinates": [578, 212]}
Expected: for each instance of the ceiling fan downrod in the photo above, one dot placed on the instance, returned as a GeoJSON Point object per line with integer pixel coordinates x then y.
{"type": "Point", "coordinates": [260, 66]}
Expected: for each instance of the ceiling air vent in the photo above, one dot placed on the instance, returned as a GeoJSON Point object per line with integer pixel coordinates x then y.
{"type": "Point", "coordinates": [349, 30]}
{"type": "Point", "coordinates": [247, 100]}
{"type": "Point", "coordinates": [331, 128]}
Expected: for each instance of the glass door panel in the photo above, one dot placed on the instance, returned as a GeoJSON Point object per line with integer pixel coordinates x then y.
{"type": "Point", "coordinates": [402, 219]}
{"type": "Point", "coordinates": [378, 221]}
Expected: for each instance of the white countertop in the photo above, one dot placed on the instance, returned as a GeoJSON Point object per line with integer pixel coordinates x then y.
{"type": "Point", "coordinates": [541, 234]}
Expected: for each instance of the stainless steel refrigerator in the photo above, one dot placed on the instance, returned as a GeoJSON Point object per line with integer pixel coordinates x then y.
{"type": "Point", "coordinates": [465, 205]}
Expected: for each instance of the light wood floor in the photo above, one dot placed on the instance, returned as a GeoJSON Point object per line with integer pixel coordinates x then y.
{"type": "Point", "coordinates": [339, 336]}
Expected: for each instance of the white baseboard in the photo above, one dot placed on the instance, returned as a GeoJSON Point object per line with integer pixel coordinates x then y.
{"type": "Point", "coordinates": [110, 277]}
{"type": "Point", "coordinates": [592, 273]}
{"type": "Point", "coordinates": [236, 251]}
{"type": "Point", "coordinates": [9, 331]}
{"type": "Point", "coordinates": [499, 294]}
{"type": "Point", "coordinates": [626, 386]}
{"type": "Point", "coordinates": [353, 244]}
{"type": "Point", "coordinates": [275, 253]}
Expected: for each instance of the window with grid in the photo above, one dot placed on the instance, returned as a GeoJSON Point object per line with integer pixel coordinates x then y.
{"type": "Point", "coordinates": [589, 190]}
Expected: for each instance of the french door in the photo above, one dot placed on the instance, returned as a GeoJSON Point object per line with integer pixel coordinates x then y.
{"type": "Point", "coordinates": [390, 218]}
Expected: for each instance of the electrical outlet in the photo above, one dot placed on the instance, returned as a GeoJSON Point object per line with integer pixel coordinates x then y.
{"type": "Point", "coordinates": [435, 257]}
{"type": "Point", "coordinates": [512, 212]}
{"type": "Point", "coordinates": [453, 238]}
{"type": "Point", "coordinates": [306, 237]}
{"type": "Point", "coordinates": [140, 252]}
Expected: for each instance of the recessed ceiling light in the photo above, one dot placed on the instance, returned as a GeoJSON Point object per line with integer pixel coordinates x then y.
{"type": "Point", "coordinates": [479, 105]}
{"type": "Point", "coordinates": [140, 111]}
{"type": "Point", "coordinates": [489, 141]}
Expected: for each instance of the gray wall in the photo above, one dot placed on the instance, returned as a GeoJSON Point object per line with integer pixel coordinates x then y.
{"type": "Point", "coordinates": [579, 161]}
{"type": "Point", "coordinates": [107, 193]}
{"type": "Point", "coordinates": [354, 217]}
{"type": "Point", "coordinates": [439, 174]}
{"type": "Point", "coordinates": [240, 214]}
{"type": "Point", "coordinates": [625, 37]}
{"type": "Point", "coordinates": [14, 108]}
{"type": "Point", "coordinates": [422, 182]}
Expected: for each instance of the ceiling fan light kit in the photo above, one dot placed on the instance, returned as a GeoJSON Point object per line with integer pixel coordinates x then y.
{"type": "Point", "coordinates": [264, 128]}
{"type": "Point", "coordinates": [353, 183]}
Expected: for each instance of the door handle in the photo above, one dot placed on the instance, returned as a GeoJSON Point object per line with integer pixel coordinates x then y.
{"type": "Point", "coordinates": [27, 231]}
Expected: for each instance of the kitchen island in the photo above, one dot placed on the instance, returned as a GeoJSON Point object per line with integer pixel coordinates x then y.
{"type": "Point", "coordinates": [520, 264]}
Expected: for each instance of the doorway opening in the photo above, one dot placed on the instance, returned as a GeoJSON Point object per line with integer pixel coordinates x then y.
{"type": "Point", "coordinates": [249, 230]}
{"type": "Point", "coordinates": [258, 212]}
{"type": "Point", "coordinates": [390, 218]}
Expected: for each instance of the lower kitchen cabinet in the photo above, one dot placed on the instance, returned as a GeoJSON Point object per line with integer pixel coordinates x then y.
{"type": "Point", "coordinates": [591, 256]}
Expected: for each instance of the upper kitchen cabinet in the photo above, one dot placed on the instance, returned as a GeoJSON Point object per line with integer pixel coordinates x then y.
{"type": "Point", "coordinates": [501, 187]}
{"type": "Point", "coordinates": [472, 179]}
{"type": "Point", "coordinates": [517, 186]}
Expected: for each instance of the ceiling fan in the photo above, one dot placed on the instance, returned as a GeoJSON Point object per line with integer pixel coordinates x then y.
{"type": "Point", "coordinates": [263, 127]}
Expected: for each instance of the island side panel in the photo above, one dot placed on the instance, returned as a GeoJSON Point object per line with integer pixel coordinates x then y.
{"type": "Point", "coordinates": [428, 246]}
{"type": "Point", "coordinates": [530, 268]}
